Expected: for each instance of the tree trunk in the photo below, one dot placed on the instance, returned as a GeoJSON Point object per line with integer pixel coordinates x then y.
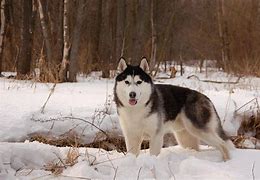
{"type": "Point", "coordinates": [130, 31]}
{"type": "Point", "coordinates": [252, 24]}
{"type": "Point", "coordinates": [143, 31]}
{"type": "Point", "coordinates": [25, 57]}
{"type": "Point", "coordinates": [120, 29]}
{"type": "Point", "coordinates": [106, 38]}
{"type": "Point", "coordinates": [46, 34]}
{"type": "Point", "coordinates": [73, 66]}
{"type": "Point", "coordinates": [57, 20]}
{"type": "Point", "coordinates": [2, 33]}
{"type": "Point", "coordinates": [223, 34]}
{"type": "Point", "coordinates": [65, 59]}
{"type": "Point", "coordinates": [154, 36]}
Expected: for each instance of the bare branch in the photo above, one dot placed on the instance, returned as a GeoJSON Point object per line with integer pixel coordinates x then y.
{"type": "Point", "coordinates": [218, 82]}
{"type": "Point", "coordinates": [253, 171]}
{"type": "Point", "coordinates": [51, 92]}
{"type": "Point", "coordinates": [139, 171]}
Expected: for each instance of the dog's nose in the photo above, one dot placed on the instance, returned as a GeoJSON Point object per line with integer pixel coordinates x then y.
{"type": "Point", "coordinates": [132, 94]}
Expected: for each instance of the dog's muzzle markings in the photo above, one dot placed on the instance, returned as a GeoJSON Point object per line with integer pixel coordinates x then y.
{"type": "Point", "coordinates": [190, 115]}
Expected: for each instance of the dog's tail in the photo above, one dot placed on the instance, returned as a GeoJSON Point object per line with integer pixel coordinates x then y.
{"type": "Point", "coordinates": [226, 138]}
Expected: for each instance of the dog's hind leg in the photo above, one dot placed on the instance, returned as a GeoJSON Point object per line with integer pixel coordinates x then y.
{"type": "Point", "coordinates": [209, 136]}
{"type": "Point", "coordinates": [186, 140]}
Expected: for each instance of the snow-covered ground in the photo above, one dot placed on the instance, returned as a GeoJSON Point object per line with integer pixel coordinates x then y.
{"type": "Point", "coordinates": [90, 99]}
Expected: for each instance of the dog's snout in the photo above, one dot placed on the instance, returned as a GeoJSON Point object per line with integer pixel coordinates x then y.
{"type": "Point", "coordinates": [132, 94]}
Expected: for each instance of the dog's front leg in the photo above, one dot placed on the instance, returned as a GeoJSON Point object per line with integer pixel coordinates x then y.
{"type": "Point", "coordinates": [133, 142]}
{"type": "Point", "coordinates": [156, 144]}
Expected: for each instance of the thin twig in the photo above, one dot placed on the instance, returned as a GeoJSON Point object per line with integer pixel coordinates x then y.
{"type": "Point", "coordinates": [42, 177]}
{"type": "Point", "coordinates": [88, 156]}
{"type": "Point", "coordinates": [139, 171]}
{"type": "Point", "coordinates": [64, 165]}
{"type": "Point", "coordinates": [69, 117]}
{"type": "Point", "coordinates": [101, 162]}
{"type": "Point", "coordinates": [51, 92]}
{"type": "Point", "coordinates": [77, 177]}
{"type": "Point", "coordinates": [171, 171]}
{"type": "Point", "coordinates": [88, 123]}
{"type": "Point", "coordinates": [226, 108]}
{"type": "Point", "coordinates": [115, 173]}
{"type": "Point", "coordinates": [254, 99]}
{"type": "Point", "coordinates": [253, 171]}
{"type": "Point", "coordinates": [31, 170]}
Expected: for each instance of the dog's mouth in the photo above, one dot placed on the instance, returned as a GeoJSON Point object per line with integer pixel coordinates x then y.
{"type": "Point", "coordinates": [132, 101]}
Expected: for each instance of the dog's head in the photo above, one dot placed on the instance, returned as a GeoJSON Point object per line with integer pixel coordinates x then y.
{"type": "Point", "coordinates": [133, 84]}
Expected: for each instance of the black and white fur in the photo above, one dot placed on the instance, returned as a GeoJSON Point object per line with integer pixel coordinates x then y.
{"type": "Point", "coordinates": [148, 111]}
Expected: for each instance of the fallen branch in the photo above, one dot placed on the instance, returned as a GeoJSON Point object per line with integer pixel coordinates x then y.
{"type": "Point", "coordinates": [164, 78]}
{"type": "Point", "coordinates": [218, 82]}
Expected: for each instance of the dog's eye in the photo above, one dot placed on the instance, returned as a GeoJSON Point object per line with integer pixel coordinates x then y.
{"type": "Point", "coordinates": [127, 82]}
{"type": "Point", "coordinates": [139, 82]}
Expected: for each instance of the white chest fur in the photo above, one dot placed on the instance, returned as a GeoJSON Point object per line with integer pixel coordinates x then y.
{"type": "Point", "coordinates": [138, 120]}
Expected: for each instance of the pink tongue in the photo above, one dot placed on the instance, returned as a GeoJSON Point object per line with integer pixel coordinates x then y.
{"type": "Point", "coordinates": [132, 102]}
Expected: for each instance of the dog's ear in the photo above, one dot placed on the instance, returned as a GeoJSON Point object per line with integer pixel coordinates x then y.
{"type": "Point", "coordinates": [121, 65]}
{"type": "Point", "coordinates": [144, 65]}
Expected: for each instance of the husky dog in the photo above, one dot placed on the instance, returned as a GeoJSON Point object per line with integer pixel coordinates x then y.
{"type": "Point", "coordinates": [148, 111]}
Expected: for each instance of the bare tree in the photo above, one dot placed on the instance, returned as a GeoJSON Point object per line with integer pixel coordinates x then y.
{"type": "Point", "coordinates": [2, 33]}
{"type": "Point", "coordinates": [120, 28]}
{"type": "Point", "coordinates": [223, 33]}
{"type": "Point", "coordinates": [94, 17]}
{"type": "Point", "coordinates": [158, 29]}
{"type": "Point", "coordinates": [106, 41]}
{"type": "Point", "coordinates": [65, 59]}
{"type": "Point", "coordinates": [46, 34]}
{"type": "Point", "coordinates": [76, 36]}
{"type": "Point", "coordinates": [143, 31]}
{"type": "Point", "coordinates": [154, 36]}
{"type": "Point", "coordinates": [25, 56]}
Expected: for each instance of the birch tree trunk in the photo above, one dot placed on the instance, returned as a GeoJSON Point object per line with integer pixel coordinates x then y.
{"type": "Point", "coordinates": [45, 33]}
{"type": "Point", "coordinates": [25, 56]}
{"type": "Point", "coordinates": [2, 33]}
{"type": "Point", "coordinates": [65, 59]}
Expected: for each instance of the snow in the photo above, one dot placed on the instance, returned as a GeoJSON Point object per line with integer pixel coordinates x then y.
{"type": "Point", "coordinates": [27, 160]}
{"type": "Point", "coordinates": [90, 100]}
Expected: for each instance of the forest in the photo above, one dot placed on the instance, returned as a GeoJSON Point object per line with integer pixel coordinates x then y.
{"type": "Point", "coordinates": [56, 40]}
{"type": "Point", "coordinates": [64, 115]}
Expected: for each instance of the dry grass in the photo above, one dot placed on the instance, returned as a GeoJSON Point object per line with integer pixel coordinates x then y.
{"type": "Point", "coordinates": [58, 165]}
{"type": "Point", "coordinates": [70, 139]}
{"type": "Point", "coordinates": [249, 129]}
{"type": "Point", "coordinates": [250, 126]}
{"type": "Point", "coordinates": [109, 141]}
{"type": "Point", "coordinates": [48, 72]}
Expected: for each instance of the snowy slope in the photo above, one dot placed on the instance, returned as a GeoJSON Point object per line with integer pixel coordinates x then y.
{"type": "Point", "coordinates": [28, 161]}
{"type": "Point", "coordinates": [91, 100]}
